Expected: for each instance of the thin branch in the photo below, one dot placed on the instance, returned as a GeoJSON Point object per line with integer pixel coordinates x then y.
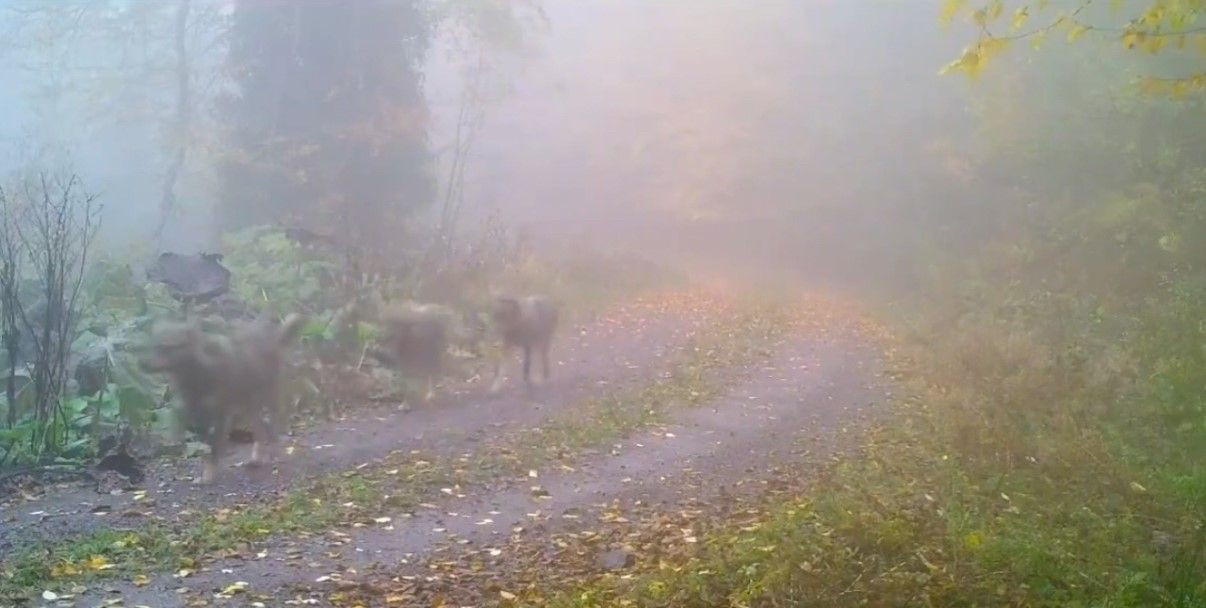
{"type": "Point", "coordinates": [1071, 18]}
{"type": "Point", "coordinates": [1044, 29]}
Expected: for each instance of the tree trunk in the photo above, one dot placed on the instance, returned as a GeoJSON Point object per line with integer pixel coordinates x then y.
{"type": "Point", "coordinates": [167, 205]}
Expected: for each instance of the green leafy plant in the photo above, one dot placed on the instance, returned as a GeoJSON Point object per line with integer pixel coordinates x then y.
{"type": "Point", "coordinates": [272, 273]}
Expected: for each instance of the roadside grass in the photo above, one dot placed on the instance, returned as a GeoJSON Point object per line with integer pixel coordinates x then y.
{"type": "Point", "coordinates": [403, 479]}
{"type": "Point", "coordinates": [1015, 490]}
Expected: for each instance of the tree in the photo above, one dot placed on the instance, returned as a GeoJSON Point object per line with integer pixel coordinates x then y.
{"type": "Point", "coordinates": [183, 119]}
{"type": "Point", "coordinates": [123, 63]}
{"type": "Point", "coordinates": [1088, 194]}
{"type": "Point", "coordinates": [474, 35]}
{"type": "Point", "coordinates": [1151, 26]}
{"type": "Point", "coordinates": [56, 228]}
{"type": "Point", "coordinates": [326, 125]}
{"type": "Point", "coordinates": [10, 275]}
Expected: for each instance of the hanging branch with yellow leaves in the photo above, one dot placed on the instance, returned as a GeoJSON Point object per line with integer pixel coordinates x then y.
{"type": "Point", "coordinates": [1154, 27]}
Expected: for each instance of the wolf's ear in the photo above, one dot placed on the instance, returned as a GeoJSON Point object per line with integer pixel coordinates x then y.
{"type": "Point", "coordinates": [291, 328]}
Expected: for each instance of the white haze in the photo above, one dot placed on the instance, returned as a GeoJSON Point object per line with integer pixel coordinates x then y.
{"type": "Point", "coordinates": [751, 127]}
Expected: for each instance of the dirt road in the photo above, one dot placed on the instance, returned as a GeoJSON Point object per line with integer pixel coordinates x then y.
{"type": "Point", "coordinates": [787, 410]}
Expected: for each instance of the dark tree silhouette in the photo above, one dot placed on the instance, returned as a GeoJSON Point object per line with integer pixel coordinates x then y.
{"type": "Point", "coordinates": [327, 123]}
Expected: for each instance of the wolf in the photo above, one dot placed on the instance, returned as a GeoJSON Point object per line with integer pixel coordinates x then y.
{"type": "Point", "coordinates": [524, 322]}
{"type": "Point", "coordinates": [225, 379]}
{"type": "Point", "coordinates": [415, 338]}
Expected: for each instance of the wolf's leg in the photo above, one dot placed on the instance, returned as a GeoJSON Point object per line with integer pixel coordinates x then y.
{"type": "Point", "coordinates": [544, 358]}
{"type": "Point", "coordinates": [217, 448]}
{"type": "Point", "coordinates": [263, 432]}
{"type": "Point", "coordinates": [499, 363]}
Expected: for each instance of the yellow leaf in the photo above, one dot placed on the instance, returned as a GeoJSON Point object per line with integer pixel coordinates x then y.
{"type": "Point", "coordinates": [1036, 40]}
{"type": "Point", "coordinates": [1077, 30]}
{"type": "Point", "coordinates": [1130, 39]}
{"type": "Point", "coordinates": [971, 63]}
{"type": "Point", "coordinates": [950, 8]}
{"type": "Point", "coordinates": [995, 9]}
{"type": "Point", "coordinates": [140, 580]}
{"type": "Point", "coordinates": [98, 562]}
{"type": "Point", "coordinates": [1115, 5]}
{"type": "Point", "coordinates": [1019, 17]}
{"type": "Point", "coordinates": [62, 569]}
{"type": "Point", "coordinates": [1155, 44]}
{"type": "Point", "coordinates": [980, 17]}
{"type": "Point", "coordinates": [506, 595]}
{"type": "Point", "coordinates": [235, 588]}
{"type": "Point", "coordinates": [1151, 86]}
{"type": "Point", "coordinates": [1182, 19]}
{"type": "Point", "coordinates": [991, 47]}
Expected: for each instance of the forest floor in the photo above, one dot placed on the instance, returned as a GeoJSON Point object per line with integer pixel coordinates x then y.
{"type": "Point", "coordinates": [663, 414]}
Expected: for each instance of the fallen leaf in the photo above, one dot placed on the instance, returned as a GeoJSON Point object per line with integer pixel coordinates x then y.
{"type": "Point", "coordinates": [63, 569]}
{"type": "Point", "coordinates": [235, 588]}
{"type": "Point", "coordinates": [98, 562]}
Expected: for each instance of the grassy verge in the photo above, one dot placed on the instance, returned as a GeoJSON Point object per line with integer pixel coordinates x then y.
{"type": "Point", "coordinates": [403, 479]}
{"type": "Point", "coordinates": [1017, 489]}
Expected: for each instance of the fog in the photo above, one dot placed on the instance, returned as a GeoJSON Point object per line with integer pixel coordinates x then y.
{"type": "Point", "coordinates": [703, 302]}
{"type": "Point", "coordinates": [810, 141]}
{"type": "Point", "coordinates": [778, 129]}
{"type": "Point", "coordinates": [791, 131]}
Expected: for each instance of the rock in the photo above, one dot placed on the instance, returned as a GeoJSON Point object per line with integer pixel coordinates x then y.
{"type": "Point", "coordinates": [616, 559]}
{"type": "Point", "coordinates": [195, 278]}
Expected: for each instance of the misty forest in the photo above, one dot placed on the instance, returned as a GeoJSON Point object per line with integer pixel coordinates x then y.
{"type": "Point", "coordinates": [592, 303]}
